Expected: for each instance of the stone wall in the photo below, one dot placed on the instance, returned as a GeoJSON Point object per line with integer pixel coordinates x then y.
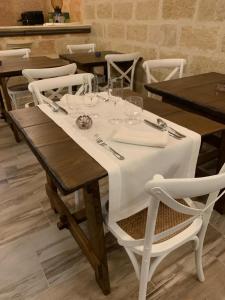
{"type": "Point", "coordinates": [49, 45]}
{"type": "Point", "coordinates": [192, 29]}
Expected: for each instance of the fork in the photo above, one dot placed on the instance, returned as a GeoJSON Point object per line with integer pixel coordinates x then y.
{"type": "Point", "coordinates": [106, 146]}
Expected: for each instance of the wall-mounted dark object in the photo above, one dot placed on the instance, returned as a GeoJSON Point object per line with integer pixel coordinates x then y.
{"type": "Point", "coordinates": [32, 18]}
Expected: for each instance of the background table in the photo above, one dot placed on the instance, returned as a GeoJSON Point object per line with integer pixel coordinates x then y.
{"type": "Point", "coordinates": [13, 66]}
{"type": "Point", "coordinates": [88, 61]}
{"type": "Point", "coordinates": [197, 93]}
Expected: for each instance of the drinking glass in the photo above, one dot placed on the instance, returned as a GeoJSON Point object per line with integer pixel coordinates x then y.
{"type": "Point", "coordinates": [134, 109]}
{"type": "Point", "coordinates": [74, 105]}
{"type": "Point", "coordinates": [115, 95]}
{"type": "Point", "coordinates": [91, 99]}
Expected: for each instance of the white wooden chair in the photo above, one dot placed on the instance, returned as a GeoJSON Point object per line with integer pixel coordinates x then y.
{"type": "Point", "coordinates": [37, 88]}
{"type": "Point", "coordinates": [177, 65]}
{"type": "Point", "coordinates": [113, 61]}
{"type": "Point", "coordinates": [38, 74]}
{"type": "Point", "coordinates": [81, 48]}
{"type": "Point", "coordinates": [166, 224]}
{"type": "Point", "coordinates": [25, 53]}
{"type": "Point", "coordinates": [16, 91]}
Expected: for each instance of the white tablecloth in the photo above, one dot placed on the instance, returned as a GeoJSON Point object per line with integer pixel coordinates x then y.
{"type": "Point", "coordinates": [128, 177]}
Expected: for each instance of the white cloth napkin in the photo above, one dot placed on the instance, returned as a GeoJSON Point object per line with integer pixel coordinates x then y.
{"type": "Point", "coordinates": [138, 137]}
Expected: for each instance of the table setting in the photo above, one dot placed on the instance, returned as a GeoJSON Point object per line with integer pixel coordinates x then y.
{"type": "Point", "coordinates": [132, 144]}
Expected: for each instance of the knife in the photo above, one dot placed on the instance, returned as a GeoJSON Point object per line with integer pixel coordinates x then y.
{"type": "Point", "coordinates": [153, 124]}
{"type": "Point", "coordinates": [60, 108]}
{"type": "Point", "coordinates": [161, 129]}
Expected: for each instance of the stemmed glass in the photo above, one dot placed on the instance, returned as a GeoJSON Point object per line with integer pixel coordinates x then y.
{"type": "Point", "coordinates": [90, 99]}
{"type": "Point", "coordinates": [134, 109]}
{"type": "Point", "coordinates": [115, 91]}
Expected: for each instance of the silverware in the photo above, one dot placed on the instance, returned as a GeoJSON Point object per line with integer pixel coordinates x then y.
{"type": "Point", "coordinates": [59, 107]}
{"type": "Point", "coordinates": [156, 126]}
{"type": "Point", "coordinates": [164, 125]}
{"type": "Point", "coordinates": [106, 146]}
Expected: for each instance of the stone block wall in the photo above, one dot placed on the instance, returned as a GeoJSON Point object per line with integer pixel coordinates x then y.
{"type": "Point", "coordinates": [192, 29]}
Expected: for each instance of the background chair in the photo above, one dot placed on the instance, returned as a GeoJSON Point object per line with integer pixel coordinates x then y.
{"type": "Point", "coordinates": [38, 74]}
{"type": "Point", "coordinates": [177, 65]}
{"type": "Point", "coordinates": [81, 48]}
{"type": "Point", "coordinates": [166, 223]}
{"type": "Point", "coordinates": [117, 68]}
{"type": "Point", "coordinates": [82, 81]}
{"type": "Point", "coordinates": [16, 91]}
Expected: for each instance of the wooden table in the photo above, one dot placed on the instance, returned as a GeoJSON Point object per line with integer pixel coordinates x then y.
{"type": "Point", "coordinates": [87, 61]}
{"type": "Point", "coordinates": [68, 168]}
{"type": "Point", "coordinates": [13, 66]}
{"type": "Point", "coordinates": [197, 93]}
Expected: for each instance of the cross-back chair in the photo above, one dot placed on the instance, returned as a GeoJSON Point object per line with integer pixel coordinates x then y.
{"type": "Point", "coordinates": [38, 74]}
{"type": "Point", "coordinates": [113, 63]}
{"type": "Point", "coordinates": [81, 48]}
{"type": "Point", "coordinates": [166, 223]}
{"type": "Point", "coordinates": [176, 64]}
{"type": "Point", "coordinates": [38, 88]}
{"type": "Point", "coordinates": [16, 91]}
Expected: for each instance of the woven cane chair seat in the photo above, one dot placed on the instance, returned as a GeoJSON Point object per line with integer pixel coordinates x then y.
{"type": "Point", "coordinates": [166, 219]}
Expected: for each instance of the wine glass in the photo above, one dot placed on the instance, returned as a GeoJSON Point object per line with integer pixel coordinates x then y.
{"type": "Point", "coordinates": [74, 105]}
{"type": "Point", "coordinates": [91, 99]}
{"type": "Point", "coordinates": [134, 109]}
{"type": "Point", "coordinates": [115, 95]}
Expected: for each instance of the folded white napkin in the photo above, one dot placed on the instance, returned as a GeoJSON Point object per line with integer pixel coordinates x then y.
{"type": "Point", "coordinates": [138, 137]}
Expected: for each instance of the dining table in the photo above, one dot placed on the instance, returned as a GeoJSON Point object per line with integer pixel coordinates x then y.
{"type": "Point", "coordinates": [203, 94]}
{"type": "Point", "coordinates": [69, 168]}
{"type": "Point", "coordinates": [87, 61]}
{"type": "Point", "coordinates": [13, 66]}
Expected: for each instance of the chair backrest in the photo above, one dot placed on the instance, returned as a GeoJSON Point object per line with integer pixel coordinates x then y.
{"type": "Point", "coordinates": [25, 53]}
{"type": "Point", "coordinates": [37, 88]}
{"type": "Point", "coordinates": [37, 74]}
{"type": "Point", "coordinates": [177, 65]}
{"type": "Point", "coordinates": [81, 48]}
{"type": "Point", "coordinates": [114, 63]}
{"type": "Point", "coordinates": [167, 190]}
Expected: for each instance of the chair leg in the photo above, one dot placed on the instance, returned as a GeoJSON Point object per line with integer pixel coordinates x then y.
{"type": "Point", "coordinates": [198, 262]}
{"type": "Point", "coordinates": [143, 280]}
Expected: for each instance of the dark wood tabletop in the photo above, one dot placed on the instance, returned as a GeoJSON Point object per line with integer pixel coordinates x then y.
{"type": "Point", "coordinates": [87, 59]}
{"type": "Point", "coordinates": [13, 66]}
{"type": "Point", "coordinates": [197, 93]}
{"type": "Point", "coordinates": [69, 165]}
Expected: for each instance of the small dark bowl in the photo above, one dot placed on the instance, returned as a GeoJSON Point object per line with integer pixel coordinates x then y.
{"type": "Point", "coordinates": [98, 53]}
{"type": "Point", "coordinates": [84, 122]}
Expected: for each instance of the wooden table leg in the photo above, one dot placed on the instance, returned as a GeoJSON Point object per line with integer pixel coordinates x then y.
{"type": "Point", "coordinates": [2, 107]}
{"type": "Point", "coordinates": [53, 188]}
{"type": "Point", "coordinates": [220, 205]}
{"type": "Point", "coordinates": [93, 246]}
{"type": "Point", "coordinates": [96, 233]}
{"type": "Point", "coordinates": [5, 94]}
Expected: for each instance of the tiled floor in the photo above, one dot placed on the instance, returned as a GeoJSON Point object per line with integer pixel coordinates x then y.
{"type": "Point", "coordinates": [39, 262]}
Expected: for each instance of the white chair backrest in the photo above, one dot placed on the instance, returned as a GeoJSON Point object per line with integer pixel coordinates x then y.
{"type": "Point", "coordinates": [37, 74]}
{"type": "Point", "coordinates": [167, 190]}
{"type": "Point", "coordinates": [81, 48]}
{"type": "Point", "coordinates": [177, 65]}
{"type": "Point", "coordinates": [127, 75]}
{"type": "Point", "coordinates": [58, 83]}
{"type": "Point", "coordinates": [25, 53]}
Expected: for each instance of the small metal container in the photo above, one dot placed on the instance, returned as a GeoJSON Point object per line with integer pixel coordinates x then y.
{"type": "Point", "coordinates": [84, 122]}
